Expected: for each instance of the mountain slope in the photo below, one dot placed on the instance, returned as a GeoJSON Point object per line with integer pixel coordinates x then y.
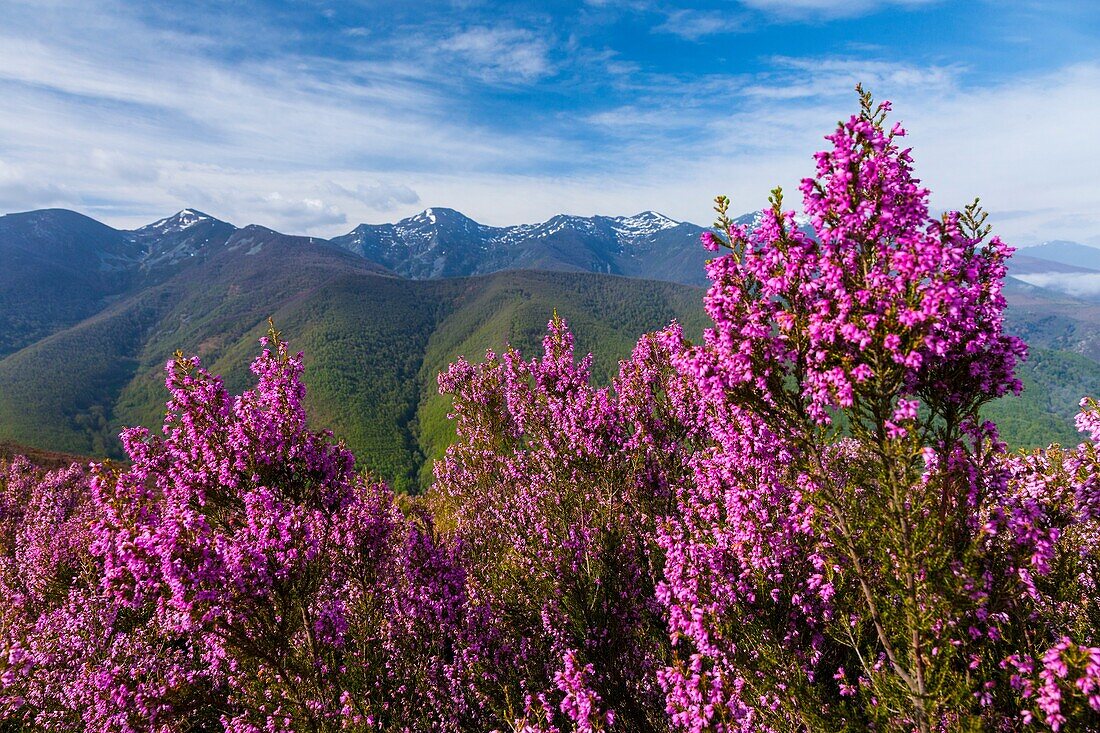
{"type": "Point", "coordinates": [373, 343]}
{"type": "Point", "coordinates": [59, 267]}
{"type": "Point", "coordinates": [177, 239]}
{"type": "Point", "coordinates": [1050, 319]}
{"type": "Point", "coordinates": [1054, 383]}
{"type": "Point", "coordinates": [72, 390]}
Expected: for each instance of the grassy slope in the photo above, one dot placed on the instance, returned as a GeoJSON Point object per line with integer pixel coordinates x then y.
{"type": "Point", "coordinates": [1054, 383]}
{"type": "Point", "coordinates": [373, 346]}
{"type": "Point", "coordinates": [61, 393]}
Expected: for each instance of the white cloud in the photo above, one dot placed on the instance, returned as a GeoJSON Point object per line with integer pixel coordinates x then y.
{"type": "Point", "coordinates": [1025, 145]}
{"type": "Point", "coordinates": [18, 191]}
{"type": "Point", "coordinates": [501, 53]}
{"type": "Point", "coordinates": [298, 214]}
{"type": "Point", "coordinates": [130, 123]}
{"type": "Point", "coordinates": [810, 79]}
{"type": "Point", "coordinates": [123, 116]}
{"type": "Point", "coordinates": [121, 165]}
{"type": "Point", "coordinates": [378, 196]}
{"type": "Point", "coordinates": [695, 24]}
{"type": "Point", "coordinates": [1078, 284]}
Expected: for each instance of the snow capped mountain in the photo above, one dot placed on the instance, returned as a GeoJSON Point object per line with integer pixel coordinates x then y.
{"type": "Point", "coordinates": [436, 243]}
{"type": "Point", "coordinates": [177, 222]}
{"type": "Point", "coordinates": [645, 224]}
{"type": "Point", "coordinates": [440, 242]}
{"type": "Point", "coordinates": [178, 238]}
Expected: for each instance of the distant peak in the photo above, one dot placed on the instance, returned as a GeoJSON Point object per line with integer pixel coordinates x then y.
{"type": "Point", "coordinates": [436, 215]}
{"type": "Point", "coordinates": [190, 215]}
{"type": "Point", "coordinates": [434, 212]}
{"type": "Point", "coordinates": [654, 217]}
{"type": "Point", "coordinates": [183, 219]}
{"type": "Point", "coordinates": [644, 223]}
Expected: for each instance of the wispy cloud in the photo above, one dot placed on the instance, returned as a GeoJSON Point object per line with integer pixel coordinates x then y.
{"type": "Point", "coordinates": [501, 53]}
{"type": "Point", "coordinates": [309, 213]}
{"type": "Point", "coordinates": [20, 191]}
{"type": "Point", "coordinates": [379, 196]}
{"type": "Point", "coordinates": [694, 24]}
{"type": "Point", "coordinates": [147, 119]}
{"type": "Point", "coordinates": [817, 78]}
{"type": "Point", "coordinates": [1033, 169]}
{"type": "Point", "coordinates": [507, 113]}
{"type": "Point", "coordinates": [1079, 284]}
{"type": "Point", "coordinates": [791, 10]}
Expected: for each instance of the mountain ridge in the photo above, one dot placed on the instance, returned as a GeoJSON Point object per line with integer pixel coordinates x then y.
{"type": "Point", "coordinates": [443, 242]}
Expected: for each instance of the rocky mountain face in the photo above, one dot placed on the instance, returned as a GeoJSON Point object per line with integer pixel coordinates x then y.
{"type": "Point", "coordinates": [178, 238]}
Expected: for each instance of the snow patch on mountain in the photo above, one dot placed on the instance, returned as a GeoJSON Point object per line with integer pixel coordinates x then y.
{"type": "Point", "coordinates": [178, 222]}
{"type": "Point", "coordinates": [645, 224]}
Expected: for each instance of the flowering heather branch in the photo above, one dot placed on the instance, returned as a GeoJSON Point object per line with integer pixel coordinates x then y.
{"type": "Point", "coordinates": [309, 601]}
{"type": "Point", "coordinates": [551, 491]}
{"type": "Point", "coordinates": [829, 565]}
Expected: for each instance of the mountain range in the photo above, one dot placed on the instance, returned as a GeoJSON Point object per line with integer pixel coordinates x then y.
{"type": "Point", "coordinates": [444, 243]}
{"type": "Point", "coordinates": [89, 315]}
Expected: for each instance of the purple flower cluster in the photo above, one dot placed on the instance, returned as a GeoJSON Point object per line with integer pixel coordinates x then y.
{"type": "Point", "coordinates": [551, 492]}
{"type": "Point", "coordinates": [239, 573]}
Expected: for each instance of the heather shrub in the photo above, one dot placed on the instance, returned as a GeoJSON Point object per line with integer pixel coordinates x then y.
{"type": "Point", "coordinates": [1045, 534]}
{"type": "Point", "coordinates": [802, 523]}
{"type": "Point", "coordinates": [44, 535]}
{"type": "Point", "coordinates": [70, 657]}
{"type": "Point", "coordinates": [551, 493]}
{"type": "Point", "coordinates": [855, 550]}
{"type": "Point", "coordinates": [307, 599]}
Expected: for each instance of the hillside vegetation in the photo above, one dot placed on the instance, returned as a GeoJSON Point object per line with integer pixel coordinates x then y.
{"type": "Point", "coordinates": [374, 344]}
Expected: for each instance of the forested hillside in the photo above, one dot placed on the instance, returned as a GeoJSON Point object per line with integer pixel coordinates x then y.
{"type": "Point", "coordinates": [374, 343]}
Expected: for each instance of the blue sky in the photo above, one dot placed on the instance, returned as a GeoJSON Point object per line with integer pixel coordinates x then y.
{"type": "Point", "coordinates": [311, 117]}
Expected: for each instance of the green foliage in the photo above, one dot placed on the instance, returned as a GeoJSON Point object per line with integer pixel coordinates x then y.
{"type": "Point", "coordinates": [1054, 383]}
{"type": "Point", "coordinates": [606, 314]}
{"type": "Point", "coordinates": [60, 393]}
{"type": "Point", "coordinates": [373, 344]}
